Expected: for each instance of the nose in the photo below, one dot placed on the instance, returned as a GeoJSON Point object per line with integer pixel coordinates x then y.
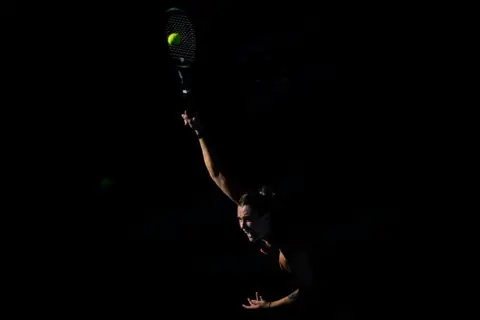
{"type": "Point", "coordinates": [244, 225]}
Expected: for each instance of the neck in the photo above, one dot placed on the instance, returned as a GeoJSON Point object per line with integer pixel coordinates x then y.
{"type": "Point", "coordinates": [268, 239]}
{"type": "Point", "coordinates": [268, 244]}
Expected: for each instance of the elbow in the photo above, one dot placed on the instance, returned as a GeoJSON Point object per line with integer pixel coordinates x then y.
{"type": "Point", "coordinates": [213, 171]}
{"type": "Point", "coordinates": [214, 174]}
{"type": "Point", "coordinates": [305, 292]}
{"type": "Point", "coordinates": [216, 177]}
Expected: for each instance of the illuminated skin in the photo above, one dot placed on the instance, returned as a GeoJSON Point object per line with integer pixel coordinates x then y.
{"type": "Point", "coordinates": [257, 228]}
{"type": "Point", "coordinates": [254, 226]}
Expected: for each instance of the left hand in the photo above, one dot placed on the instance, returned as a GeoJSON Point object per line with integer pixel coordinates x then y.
{"type": "Point", "coordinates": [257, 303]}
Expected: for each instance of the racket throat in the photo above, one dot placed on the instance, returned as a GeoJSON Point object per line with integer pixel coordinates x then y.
{"type": "Point", "coordinates": [180, 76]}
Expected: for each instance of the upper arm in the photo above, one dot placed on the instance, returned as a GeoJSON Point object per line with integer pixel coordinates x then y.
{"type": "Point", "coordinates": [229, 187]}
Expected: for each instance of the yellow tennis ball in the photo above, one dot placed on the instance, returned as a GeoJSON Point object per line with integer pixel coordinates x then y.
{"type": "Point", "coordinates": [174, 39]}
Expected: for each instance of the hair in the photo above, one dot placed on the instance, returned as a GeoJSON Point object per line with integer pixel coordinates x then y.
{"type": "Point", "coordinates": [261, 200]}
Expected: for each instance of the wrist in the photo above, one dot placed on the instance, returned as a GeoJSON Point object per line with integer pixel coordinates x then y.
{"type": "Point", "coordinates": [199, 133]}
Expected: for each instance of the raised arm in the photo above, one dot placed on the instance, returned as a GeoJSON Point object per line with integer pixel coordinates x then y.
{"type": "Point", "coordinates": [214, 166]}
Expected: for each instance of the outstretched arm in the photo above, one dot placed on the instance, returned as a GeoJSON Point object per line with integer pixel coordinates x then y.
{"type": "Point", "coordinates": [214, 166]}
{"type": "Point", "coordinates": [302, 271]}
{"type": "Point", "coordinates": [292, 297]}
{"type": "Point", "coordinates": [301, 268]}
{"type": "Point", "coordinates": [259, 303]}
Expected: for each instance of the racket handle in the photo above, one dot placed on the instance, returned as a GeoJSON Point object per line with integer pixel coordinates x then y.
{"type": "Point", "coordinates": [188, 103]}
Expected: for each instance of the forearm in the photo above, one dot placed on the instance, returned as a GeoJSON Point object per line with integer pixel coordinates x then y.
{"type": "Point", "coordinates": [286, 300]}
{"type": "Point", "coordinates": [209, 157]}
{"type": "Point", "coordinates": [216, 171]}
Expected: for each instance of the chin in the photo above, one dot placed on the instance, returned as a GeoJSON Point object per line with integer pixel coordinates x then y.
{"type": "Point", "coordinates": [253, 240]}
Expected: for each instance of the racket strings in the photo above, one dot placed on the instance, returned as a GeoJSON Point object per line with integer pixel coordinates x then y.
{"type": "Point", "coordinates": [181, 25]}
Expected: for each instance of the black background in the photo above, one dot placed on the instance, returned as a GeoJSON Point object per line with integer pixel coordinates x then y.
{"type": "Point", "coordinates": [161, 238]}
{"type": "Point", "coordinates": [8, 8]}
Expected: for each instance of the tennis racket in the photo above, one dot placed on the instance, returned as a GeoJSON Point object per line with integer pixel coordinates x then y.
{"type": "Point", "coordinates": [183, 52]}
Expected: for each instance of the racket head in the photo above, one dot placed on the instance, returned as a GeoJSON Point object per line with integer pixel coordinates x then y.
{"type": "Point", "coordinates": [177, 21]}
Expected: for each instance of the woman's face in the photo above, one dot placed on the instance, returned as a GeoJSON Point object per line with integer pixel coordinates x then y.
{"type": "Point", "coordinates": [256, 227]}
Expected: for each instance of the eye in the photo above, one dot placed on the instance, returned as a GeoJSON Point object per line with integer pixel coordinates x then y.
{"type": "Point", "coordinates": [245, 220]}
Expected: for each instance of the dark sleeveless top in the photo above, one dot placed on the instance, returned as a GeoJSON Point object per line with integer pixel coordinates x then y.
{"type": "Point", "coordinates": [291, 234]}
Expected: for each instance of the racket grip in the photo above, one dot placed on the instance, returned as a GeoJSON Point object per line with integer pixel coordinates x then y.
{"type": "Point", "coordinates": [187, 98]}
{"type": "Point", "coordinates": [188, 101]}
